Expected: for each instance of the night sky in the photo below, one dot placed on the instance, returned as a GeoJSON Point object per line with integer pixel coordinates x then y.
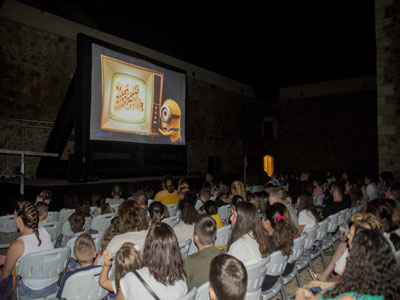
{"type": "Point", "coordinates": [280, 43]}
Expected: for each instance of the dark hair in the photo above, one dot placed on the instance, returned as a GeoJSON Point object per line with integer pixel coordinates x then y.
{"type": "Point", "coordinates": [161, 254]}
{"type": "Point", "coordinates": [104, 206]}
{"type": "Point", "coordinates": [41, 207]}
{"type": "Point", "coordinates": [284, 230]}
{"type": "Point", "coordinates": [166, 178]}
{"type": "Point", "coordinates": [131, 217]}
{"type": "Point", "coordinates": [236, 199]}
{"type": "Point", "coordinates": [206, 230]}
{"type": "Point", "coordinates": [133, 187]}
{"type": "Point", "coordinates": [70, 200]}
{"type": "Point", "coordinates": [205, 193]}
{"type": "Point", "coordinates": [223, 189]}
{"type": "Point", "coordinates": [228, 277]}
{"type": "Point", "coordinates": [189, 215]}
{"type": "Point", "coordinates": [29, 215]}
{"type": "Point", "coordinates": [84, 248]}
{"type": "Point", "coordinates": [190, 196]}
{"type": "Point", "coordinates": [211, 207]}
{"type": "Point", "coordinates": [110, 232]}
{"type": "Point", "coordinates": [141, 198]}
{"type": "Point", "coordinates": [306, 202]}
{"type": "Point", "coordinates": [248, 221]}
{"type": "Point", "coordinates": [156, 211]}
{"type": "Point", "coordinates": [371, 268]}
{"type": "Point", "coordinates": [76, 222]}
{"type": "Point", "coordinates": [83, 207]}
{"type": "Point", "coordinates": [383, 210]}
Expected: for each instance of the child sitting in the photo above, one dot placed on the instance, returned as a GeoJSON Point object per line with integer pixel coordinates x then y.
{"type": "Point", "coordinates": [204, 196]}
{"type": "Point", "coordinates": [102, 207]}
{"type": "Point", "coordinates": [77, 224]}
{"type": "Point", "coordinates": [43, 211]}
{"type": "Point", "coordinates": [84, 254]}
{"type": "Point", "coordinates": [210, 208]}
{"type": "Point", "coordinates": [128, 259]}
{"type": "Point", "coordinates": [110, 232]}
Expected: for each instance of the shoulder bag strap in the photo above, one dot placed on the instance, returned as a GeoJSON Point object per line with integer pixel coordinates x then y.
{"type": "Point", "coordinates": [148, 288]}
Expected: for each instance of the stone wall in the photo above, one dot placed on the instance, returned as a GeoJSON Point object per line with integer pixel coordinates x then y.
{"type": "Point", "coordinates": [387, 25]}
{"type": "Point", "coordinates": [37, 69]}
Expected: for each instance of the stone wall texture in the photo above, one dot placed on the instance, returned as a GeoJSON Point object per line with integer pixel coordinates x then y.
{"type": "Point", "coordinates": [387, 26]}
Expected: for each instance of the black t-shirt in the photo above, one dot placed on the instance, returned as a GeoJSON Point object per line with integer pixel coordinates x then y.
{"type": "Point", "coordinates": [334, 207]}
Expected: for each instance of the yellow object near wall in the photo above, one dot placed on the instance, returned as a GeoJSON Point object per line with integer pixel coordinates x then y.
{"type": "Point", "coordinates": [269, 164]}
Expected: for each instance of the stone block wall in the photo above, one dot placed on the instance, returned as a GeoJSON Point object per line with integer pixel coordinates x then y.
{"type": "Point", "coordinates": [387, 26]}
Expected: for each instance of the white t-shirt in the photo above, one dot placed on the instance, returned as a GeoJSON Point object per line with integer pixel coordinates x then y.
{"type": "Point", "coordinates": [112, 201]}
{"type": "Point", "coordinates": [132, 288]}
{"type": "Point", "coordinates": [340, 264]}
{"type": "Point", "coordinates": [306, 218]}
{"type": "Point", "coordinates": [183, 231]}
{"type": "Point", "coordinates": [137, 237]}
{"type": "Point", "coordinates": [372, 191]}
{"type": "Point", "coordinates": [246, 249]}
{"type": "Point", "coordinates": [31, 245]}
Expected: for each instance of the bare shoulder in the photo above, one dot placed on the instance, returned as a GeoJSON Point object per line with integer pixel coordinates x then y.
{"type": "Point", "coordinates": [346, 297]}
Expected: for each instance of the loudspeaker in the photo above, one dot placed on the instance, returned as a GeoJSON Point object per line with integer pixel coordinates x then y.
{"type": "Point", "coordinates": [214, 165]}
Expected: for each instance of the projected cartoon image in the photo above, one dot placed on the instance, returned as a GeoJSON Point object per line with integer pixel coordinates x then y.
{"type": "Point", "coordinates": [171, 120]}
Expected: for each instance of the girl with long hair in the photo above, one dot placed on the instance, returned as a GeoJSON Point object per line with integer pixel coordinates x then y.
{"type": "Point", "coordinates": [237, 188]}
{"type": "Point", "coordinates": [188, 217]}
{"type": "Point", "coordinates": [162, 268]}
{"type": "Point", "coordinates": [156, 212]}
{"type": "Point", "coordinates": [307, 213]}
{"type": "Point", "coordinates": [248, 242]}
{"type": "Point", "coordinates": [33, 239]}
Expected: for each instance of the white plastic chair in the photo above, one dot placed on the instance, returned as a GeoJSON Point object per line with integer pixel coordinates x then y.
{"type": "Point", "coordinates": [102, 222]}
{"type": "Point", "coordinates": [297, 251]}
{"type": "Point", "coordinates": [172, 209]}
{"type": "Point", "coordinates": [190, 296]}
{"type": "Point", "coordinates": [225, 212]}
{"type": "Point", "coordinates": [184, 247]}
{"type": "Point", "coordinates": [52, 216]}
{"type": "Point", "coordinates": [7, 227]}
{"type": "Point", "coordinates": [65, 214]}
{"type": "Point", "coordinates": [171, 221]}
{"type": "Point", "coordinates": [276, 267]}
{"type": "Point", "coordinates": [97, 242]}
{"type": "Point", "coordinates": [66, 229]}
{"type": "Point", "coordinates": [330, 239]}
{"type": "Point", "coordinates": [318, 200]}
{"type": "Point", "coordinates": [198, 205]}
{"type": "Point", "coordinates": [202, 292]}
{"type": "Point", "coordinates": [305, 259]}
{"type": "Point", "coordinates": [43, 265]}
{"type": "Point", "coordinates": [223, 236]}
{"type": "Point", "coordinates": [255, 278]}
{"type": "Point", "coordinates": [84, 285]}
{"type": "Point", "coordinates": [115, 207]}
{"type": "Point", "coordinates": [321, 234]}
{"type": "Point", "coordinates": [54, 229]}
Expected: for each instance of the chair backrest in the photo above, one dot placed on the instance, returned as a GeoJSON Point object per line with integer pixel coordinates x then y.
{"type": "Point", "coordinates": [44, 264]}
{"type": "Point", "coordinates": [65, 214]}
{"type": "Point", "coordinates": [53, 228]}
{"type": "Point", "coordinates": [52, 216]}
{"type": "Point", "coordinates": [198, 205]}
{"type": "Point", "coordinates": [172, 209]}
{"type": "Point", "coordinates": [255, 275]}
{"type": "Point", "coordinates": [342, 217]}
{"type": "Point", "coordinates": [84, 285]}
{"type": "Point", "coordinates": [223, 236]}
{"type": "Point", "coordinates": [322, 229]}
{"type": "Point", "coordinates": [277, 264]}
{"type": "Point", "coordinates": [7, 224]}
{"type": "Point", "coordinates": [318, 200]}
{"type": "Point", "coordinates": [102, 222]}
{"type": "Point", "coordinates": [311, 235]}
{"type": "Point", "coordinates": [298, 247]}
{"type": "Point", "coordinates": [97, 238]}
{"type": "Point", "coordinates": [66, 229]}
{"type": "Point", "coordinates": [191, 295]}
{"type": "Point", "coordinates": [202, 292]}
{"type": "Point", "coordinates": [333, 222]}
{"type": "Point", "coordinates": [88, 222]}
{"type": "Point", "coordinates": [225, 212]}
{"type": "Point", "coordinates": [171, 221]}
{"type": "Point", "coordinates": [348, 215]}
{"type": "Point", "coordinates": [184, 247]}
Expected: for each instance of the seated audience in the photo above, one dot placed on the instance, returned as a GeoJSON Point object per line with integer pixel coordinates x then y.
{"type": "Point", "coordinates": [204, 196]}
{"type": "Point", "coordinates": [43, 211]}
{"type": "Point", "coordinates": [237, 188]}
{"type": "Point", "coordinates": [83, 208]}
{"type": "Point", "coordinates": [371, 189]}
{"type": "Point", "coordinates": [94, 197]}
{"type": "Point", "coordinates": [84, 254]}
{"type": "Point", "coordinates": [248, 243]}
{"type": "Point", "coordinates": [116, 196]}
{"type": "Point", "coordinates": [223, 195]}
{"type": "Point", "coordinates": [156, 211]}
{"type": "Point", "coordinates": [168, 195]}
{"type": "Point", "coordinates": [102, 207]}
{"type": "Point", "coordinates": [277, 194]}
{"type": "Point", "coordinates": [317, 183]}
{"type": "Point", "coordinates": [339, 202]}
{"type": "Point", "coordinates": [33, 239]}
{"type": "Point", "coordinates": [228, 278]}
{"type": "Point", "coordinates": [188, 216]}
{"type": "Point", "coordinates": [77, 225]}
{"type": "Point", "coordinates": [210, 208]}
{"type": "Point", "coordinates": [44, 196]}
{"type": "Point", "coordinates": [197, 265]}
{"type": "Point", "coordinates": [307, 213]}
{"type": "Point", "coordinates": [371, 272]}
{"type": "Point", "coordinates": [133, 187]}
{"type": "Point", "coordinates": [162, 268]}
{"type": "Point", "coordinates": [128, 259]}
{"type": "Point", "coordinates": [393, 193]}
{"type": "Point", "coordinates": [183, 187]}
{"type": "Point", "coordinates": [149, 192]}
{"type": "Point", "coordinates": [108, 235]}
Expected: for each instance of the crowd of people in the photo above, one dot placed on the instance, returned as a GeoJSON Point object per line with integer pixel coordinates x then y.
{"type": "Point", "coordinates": [265, 218]}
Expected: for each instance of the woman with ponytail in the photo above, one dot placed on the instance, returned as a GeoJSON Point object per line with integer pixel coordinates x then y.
{"type": "Point", "coordinates": [281, 232]}
{"type": "Point", "coordinates": [33, 239]}
{"type": "Point", "coordinates": [156, 212]}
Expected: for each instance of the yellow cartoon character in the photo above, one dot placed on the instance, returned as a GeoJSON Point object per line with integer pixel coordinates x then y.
{"type": "Point", "coordinates": [170, 115]}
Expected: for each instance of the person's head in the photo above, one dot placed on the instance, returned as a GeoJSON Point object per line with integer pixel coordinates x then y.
{"type": "Point", "coordinates": [190, 196]}
{"type": "Point", "coordinates": [187, 212]}
{"type": "Point", "coordinates": [102, 207]}
{"type": "Point", "coordinates": [337, 193]}
{"type": "Point", "coordinates": [183, 187]}
{"type": "Point", "coordinates": [156, 211]}
{"type": "Point", "coordinates": [27, 217]}
{"type": "Point", "coordinates": [267, 187]}
{"type": "Point", "coordinates": [367, 180]}
{"type": "Point", "coordinates": [204, 195]}
{"type": "Point", "coordinates": [258, 201]}
{"type": "Point", "coordinates": [363, 220]}
{"type": "Point", "coordinates": [277, 194]}
{"type": "Point", "coordinates": [133, 187]}
{"type": "Point", "coordinates": [110, 232]}
{"type": "Point", "coordinates": [131, 217]}
{"type": "Point", "coordinates": [223, 190]}
{"type": "Point", "coordinates": [237, 188]}
{"type": "Point", "coordinates": [84, 249]}
{"type": "Point", "coordinates": [205, 231]}
{"type": "Point", "coordinates": [116, 192]}
{"type": "Point", "coordinates": [382, 209]}
{"type": "Point", "coordinates": [161, 254]}
{"type": "Point", "coordinates": [305, 201]}
{"type": "Point", "coordinates": [168, 184]}
{"type": "Point", "coordinates": [228, 278]}
{"type": "Point", "coordinates": [128, 259]}
{"type": "Point", "coordinates": [210, 208]}
{"type": "Point", "coordinates": [210, 178]}
{"type": "Point", "coordinates": [318, 182]}
{"type": "Point", "coordinates": [42, 210]}
{"type": "Point", "coordinates": [94, 197]}
{"type": "Point", "coordinates": [83, 208]}
{"type": "Point", "coordinates": [245, 219]}
{"type": "Point", "coordinates": [44, 196]}
{"type": "Point", "coordinates": [370, 261]}
{"type": "Point", "coordinates": [393, 192]}
{"type": "Point", "coordinates": [149, 191]}
{"type": "Point", "coordinates": [77, 222]}
{"type": "Point", "coordinates": [277, 218]}
{"type": "Point", "coordinates": [141, 198]}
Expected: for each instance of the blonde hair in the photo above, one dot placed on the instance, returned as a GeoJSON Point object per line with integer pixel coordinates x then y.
{"type": "Point", "coordinates": [127, 260]}
{"type": "Point", "coordinates": [84, 248]}
{"type": "Point", "coordinates": [183, 186]}
{"type": "Point", "coordinates": [367, 221]}
{"type": "Point", "coordinates": [237, 188]}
